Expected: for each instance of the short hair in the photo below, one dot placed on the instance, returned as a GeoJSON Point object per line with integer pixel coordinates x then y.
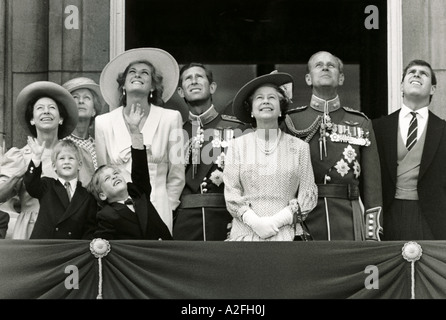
{"type": "Point", "coordinates": [61, 144]}
{"type": "Point", "coordinates": [94, 186]}
{"type": "Point", "coordinates": [97, 105]}
{"type": "Point", "coordinates": [338, 60]}
{"type": "Point", "coordinates": [183, 69]}
{"type": "Point", "coordinates": [157, 83]}
{"type": "Point", "coordinates": [419, 62]}
{"type": "Point", "coordinates": [283, 100]}
{"type": "Point", "coordinates": [30, 111]}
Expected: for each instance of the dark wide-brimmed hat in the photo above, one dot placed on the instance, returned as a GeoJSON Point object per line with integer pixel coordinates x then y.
{"type": "Point", "coordinates": [40, 89]}
{"type": "Point", "coordinates": [86, 83]}
{"type": "Point", "coordinates": [276, 78]}
{"type": "Point", "coordinates": [164, 63]}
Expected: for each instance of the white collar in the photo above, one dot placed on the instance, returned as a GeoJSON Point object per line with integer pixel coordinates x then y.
{"type": "Point", "coordinates": [423, 112]}
{"type": "Point", "coordinates": [72, 182]}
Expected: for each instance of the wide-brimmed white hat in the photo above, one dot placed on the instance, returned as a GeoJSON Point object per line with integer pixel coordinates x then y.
{"type": "Point", "coordinates": [86, 83]}
{"type": "Point", "coordinates": [163, 62]}
{"type": "Point", "coordinates": [51, 90]}
{"type": "Point", "coordinates": [276, 78]}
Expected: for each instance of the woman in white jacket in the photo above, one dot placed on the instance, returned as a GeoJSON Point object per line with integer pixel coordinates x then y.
{"type": "Point", "coordinates": [146, 77]}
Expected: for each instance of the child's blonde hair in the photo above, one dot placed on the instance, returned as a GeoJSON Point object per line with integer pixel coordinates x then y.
{"type": "Point", "coordinates": [94, 187]}
{"type": "Point", "coordinates": [65, 144]}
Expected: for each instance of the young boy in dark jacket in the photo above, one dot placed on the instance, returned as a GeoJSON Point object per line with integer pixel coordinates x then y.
{"type": "Point", "coordinates": [67, 210]}
{"type": "Point", "coordinates": [127, 212]}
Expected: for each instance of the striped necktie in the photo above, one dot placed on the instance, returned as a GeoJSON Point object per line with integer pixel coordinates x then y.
{"type": "Point", "coordinates": [412, 133]}
{"type": "Point", "coordinates": [68, 187]}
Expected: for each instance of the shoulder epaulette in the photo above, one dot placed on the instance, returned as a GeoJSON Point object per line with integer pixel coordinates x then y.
{"type": "Point", "coordinates": [298, 109]}
{"type": "Point", "coordinates": [348, 109]}
{"type": "Point", "coordinates": [227, 117]}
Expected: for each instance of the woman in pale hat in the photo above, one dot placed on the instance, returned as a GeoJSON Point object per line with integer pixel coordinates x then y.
{"type": "Point", "coordinates": [89, 100]}
{"type": "Point", "coordinates": [47, 112]}
{"type": "Point", "coordinates": [144, 77]}
{"type": "Point", "coordinates": [268, 174]}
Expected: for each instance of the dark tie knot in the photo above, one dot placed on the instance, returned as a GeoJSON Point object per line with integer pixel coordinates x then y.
{"type": "Point", "coordinates": [414, 114]}
{"type": "Point", "coordinates": [129, 201]}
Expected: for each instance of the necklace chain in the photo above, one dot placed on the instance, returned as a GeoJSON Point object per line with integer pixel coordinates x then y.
{"type": "Point", "coordinates": [262, 145]}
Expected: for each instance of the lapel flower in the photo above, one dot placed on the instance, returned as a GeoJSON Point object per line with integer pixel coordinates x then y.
{"type": "Point", "coordinates": [216, 143]}
{"type": "Point", "coordinates": [199, 138]}
{"type": "Point", "coordinates": [349, 154]}
{"type": "Point", "coordinates": [357, 169]}
{"type": "Point", "coordinates": [217, 177]}
{"type": "Point", "coordinates": [342, 167]}
{"type": "Point", "coordinates": [220, 161]}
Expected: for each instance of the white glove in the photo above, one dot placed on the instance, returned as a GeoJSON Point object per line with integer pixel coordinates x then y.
{"type": "Point", "coordinates": [283, 217]}
{"type": "Point", "coordinates": [263, 227]}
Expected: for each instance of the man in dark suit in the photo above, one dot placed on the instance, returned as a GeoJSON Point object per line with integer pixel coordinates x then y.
{"type": "Point", "coordinates": [127, 212]}
{"type": "Point", "coordinates": [67, 210]}
{"type": "Point", "coordinates": [412, 149]}
{"type": "Point", "coordinates": [202, 213]}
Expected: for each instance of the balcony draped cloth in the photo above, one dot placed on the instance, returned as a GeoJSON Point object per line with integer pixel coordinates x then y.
{"type": "Point", "coordinates": [41, 269]}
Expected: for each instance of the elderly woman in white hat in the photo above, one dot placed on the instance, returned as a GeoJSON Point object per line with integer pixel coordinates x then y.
{"type": "Point", "coordinates": [268, 174]}
{"type": "Point", "coordinates": [87, 94]}
{"type": "Point", "coordinates": [47, 112]}
{"type": "Point", "coordinates": [147, 77]}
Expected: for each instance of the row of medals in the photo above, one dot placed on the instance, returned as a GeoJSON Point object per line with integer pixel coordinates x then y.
{"type": "Point", "coordinates": [220, 139]}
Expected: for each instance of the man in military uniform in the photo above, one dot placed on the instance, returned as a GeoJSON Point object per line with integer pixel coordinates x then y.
{"type": "Point", "coordinates": [344, 157]}
{"type": "Point", "coordinates": [202, 213]}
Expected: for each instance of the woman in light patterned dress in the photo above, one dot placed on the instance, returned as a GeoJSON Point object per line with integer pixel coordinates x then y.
{"type": "Point", "coordinates": [87, 94]}
{"type": "Point", "coordinates": [267, 172]}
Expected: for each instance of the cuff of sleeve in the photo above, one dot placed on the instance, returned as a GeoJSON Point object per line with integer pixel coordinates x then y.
{"type": "Point", "coordinates": [242, 210]}
{"type": "Point", "coordinates": [137, 141]}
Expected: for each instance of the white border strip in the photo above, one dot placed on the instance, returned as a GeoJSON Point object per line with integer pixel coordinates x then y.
{"type": "Point", "coordinates": [117, 27]}
{"type": "Point", "coordinates": [394, 53]}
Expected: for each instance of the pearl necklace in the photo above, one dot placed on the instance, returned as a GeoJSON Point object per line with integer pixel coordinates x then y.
{"type": "Point", "coordinates": [261, 144]}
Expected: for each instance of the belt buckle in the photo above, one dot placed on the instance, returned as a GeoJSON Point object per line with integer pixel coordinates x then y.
{"type": "Point", "coordinates": [352, 192]}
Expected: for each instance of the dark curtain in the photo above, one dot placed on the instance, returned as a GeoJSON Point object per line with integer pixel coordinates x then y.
{"type": "Point", "coordinates": [36, 269]}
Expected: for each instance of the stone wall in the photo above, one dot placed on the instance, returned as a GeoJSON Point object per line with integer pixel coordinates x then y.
{"type": "Point", "coordinates": [35, 44]}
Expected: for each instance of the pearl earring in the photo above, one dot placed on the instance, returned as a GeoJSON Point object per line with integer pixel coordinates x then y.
{"type": "Point", "coordinates": [252, 116]}
{"type": "Point", "coordinates": [151, 94]}
{"type": "Point", "coordinates": [60, 122]}
{"type": "Point", "coordinates": [123, 91]}
{"type": "Point", "coordinates": [32, 122]}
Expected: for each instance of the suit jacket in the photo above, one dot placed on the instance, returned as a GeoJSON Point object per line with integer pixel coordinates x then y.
{"type": "Point", "coordinates": [117, 222]}
{"type": "Point", "coordinates": [163, 132]}
{"type": "Point", "coordinates": [59, 218]}
{"type": "Point", "coordinates": [432, 178]}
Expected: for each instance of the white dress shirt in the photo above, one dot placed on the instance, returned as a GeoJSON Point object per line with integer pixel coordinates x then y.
{"type": "Point", "coordinates": [405, 117]}
{"type": "Point", "coordinates": [73, 184]}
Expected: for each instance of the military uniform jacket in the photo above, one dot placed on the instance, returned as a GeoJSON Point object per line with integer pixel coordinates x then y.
{"type": "Point", "coordinates": [204, 189]}
{"type": "Point", "coordinates": [58, 217]}
{"type": "Point", "coordinates": [117, 222]}
{"type": "Point", "coordinates": [346, 167]}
